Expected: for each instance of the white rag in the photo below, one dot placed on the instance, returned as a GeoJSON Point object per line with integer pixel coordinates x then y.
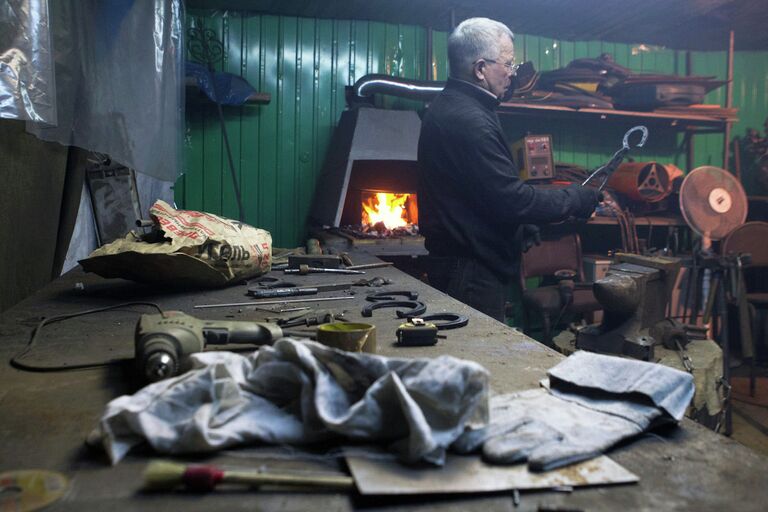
{"type": "Point", "coordinates": [299, 392]}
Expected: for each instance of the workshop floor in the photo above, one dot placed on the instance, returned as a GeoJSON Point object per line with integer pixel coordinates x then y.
{"type": "Point", "coordinates": [750, 414]}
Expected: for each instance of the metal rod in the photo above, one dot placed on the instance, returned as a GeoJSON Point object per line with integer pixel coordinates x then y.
{"type": "Point", "coordinates": [428, 64]}
{"type": "Point", "coordinates": [266, 302]}
{"type": "Point", "coordinates": [722, 310]}
{"type": "Point", "coordinates": [304, 270]}
{"type": "Point", "coordinates": [370, 265]}
{"type": "Point", "coordinates": [690, 150]}
{"type": "Point", "coordinates": [728, 100]}
{"type": "Point", "coordinates": [233, 173]}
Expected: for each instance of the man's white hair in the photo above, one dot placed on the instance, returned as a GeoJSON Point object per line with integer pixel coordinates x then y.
{"type": "Point", "coordinates": [473, 39]}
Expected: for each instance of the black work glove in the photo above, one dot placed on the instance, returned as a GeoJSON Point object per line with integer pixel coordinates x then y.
{"type": "Point", "coordinates": [585, 200]}
{"type": "Point", "coordinates": [530, 235]}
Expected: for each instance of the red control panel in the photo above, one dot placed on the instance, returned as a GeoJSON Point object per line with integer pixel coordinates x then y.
{"type": "Point", "coordinates": [533, 157]}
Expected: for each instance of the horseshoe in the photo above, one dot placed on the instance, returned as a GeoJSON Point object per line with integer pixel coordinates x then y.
{"type": "Point", "coordinates": [451, 320]}
{"type": "Point", "coordinates": [417, 307]}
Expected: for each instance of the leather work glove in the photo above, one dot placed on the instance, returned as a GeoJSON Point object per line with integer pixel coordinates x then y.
{"type": "Point", "coordinates": [594, 401]}
{"type": "Point", "coordinates": [530, 235]}
{"type": "Point", "coordinates": [586, 200]}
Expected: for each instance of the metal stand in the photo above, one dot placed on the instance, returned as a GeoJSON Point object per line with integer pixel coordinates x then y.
{"type": "Point", "coordinates": [716, 309]}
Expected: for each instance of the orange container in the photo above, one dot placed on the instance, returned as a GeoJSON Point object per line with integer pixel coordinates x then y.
{"type": "Point", "coordinates": [648, 182]}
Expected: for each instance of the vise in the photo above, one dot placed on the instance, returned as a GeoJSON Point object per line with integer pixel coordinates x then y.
{"type": "Point", "coordinates": [634, 294]}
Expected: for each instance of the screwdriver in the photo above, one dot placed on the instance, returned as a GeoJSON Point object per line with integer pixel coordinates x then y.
{"type": "Point", "coordinates": [305, 269]}
{"type": "Point", "coordinates": [268, 293]}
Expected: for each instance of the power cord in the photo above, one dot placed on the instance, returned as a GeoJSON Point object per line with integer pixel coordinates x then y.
{"type": "Point", "coordinates": [15, 360]}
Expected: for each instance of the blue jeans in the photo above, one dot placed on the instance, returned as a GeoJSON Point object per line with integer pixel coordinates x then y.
{"type": "Point", "coordinates": [467, 280]}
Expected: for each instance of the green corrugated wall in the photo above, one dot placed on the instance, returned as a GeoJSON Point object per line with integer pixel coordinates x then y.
{"type": "Point", "coordinates": [750, 95]}
{"type": "Point", "coordinates": [304, 64]}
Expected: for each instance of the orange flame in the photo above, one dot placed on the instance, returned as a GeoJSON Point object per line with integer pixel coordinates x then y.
{"type": "Point", "coordinates": [387, 208]}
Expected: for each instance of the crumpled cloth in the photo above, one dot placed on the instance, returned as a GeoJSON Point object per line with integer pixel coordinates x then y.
{"type": "Point", "coordinates": [300, 392]}
{"type": "Point", "coordinates": [592, 402]}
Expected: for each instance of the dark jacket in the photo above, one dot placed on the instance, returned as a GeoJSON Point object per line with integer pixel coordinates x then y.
{"type": "Point", "coordinates": [471, 200]}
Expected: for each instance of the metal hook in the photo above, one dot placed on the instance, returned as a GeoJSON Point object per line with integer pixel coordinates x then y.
{"type": "Point", "coordinates": [641, 128]}
{"type": "Point", "coordinates": [606, 170]}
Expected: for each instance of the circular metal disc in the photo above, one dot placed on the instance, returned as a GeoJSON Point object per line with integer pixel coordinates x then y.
{"type": "Point", "coordinates": [27, 490]}
{"type": "Point", "coordinates": [713, 202]}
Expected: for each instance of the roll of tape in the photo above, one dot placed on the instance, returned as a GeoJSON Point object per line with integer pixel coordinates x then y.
{"type": "Point", "coordinates": [353, 337]}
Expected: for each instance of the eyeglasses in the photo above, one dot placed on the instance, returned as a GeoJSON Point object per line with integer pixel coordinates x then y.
{"type": "Point", "coordinates": [511, 67]}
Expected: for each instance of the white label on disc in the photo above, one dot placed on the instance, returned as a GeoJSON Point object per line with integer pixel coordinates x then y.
{"type": "Point", "coordinates": [720, 200]}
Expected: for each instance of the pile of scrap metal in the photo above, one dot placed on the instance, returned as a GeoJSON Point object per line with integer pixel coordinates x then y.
{"type": "Point", "coordinates": [602, 83]}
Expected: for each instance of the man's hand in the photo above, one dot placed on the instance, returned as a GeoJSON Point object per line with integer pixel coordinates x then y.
{"type": "Point", "coordinates": [587, 199]}
{"type": "Point", "coordinates": [530, 235]}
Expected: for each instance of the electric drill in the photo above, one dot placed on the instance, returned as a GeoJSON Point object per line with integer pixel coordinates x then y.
{"type": "Point", "coordinates": [163, 342]}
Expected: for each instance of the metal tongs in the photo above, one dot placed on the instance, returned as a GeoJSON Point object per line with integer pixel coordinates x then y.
{"type": "Point", "coordinates": [606, 170]}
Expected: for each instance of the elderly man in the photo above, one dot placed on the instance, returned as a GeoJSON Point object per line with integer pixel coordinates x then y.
{"type": "Point", "coordinates": [472, 204]}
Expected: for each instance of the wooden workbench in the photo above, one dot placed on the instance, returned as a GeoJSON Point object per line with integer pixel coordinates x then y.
{"type": "Point", "coordinates": [45, 417]}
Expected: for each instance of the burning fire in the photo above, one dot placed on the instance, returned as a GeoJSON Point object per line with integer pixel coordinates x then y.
{"type": "Point", "coordinates": [389, 209]}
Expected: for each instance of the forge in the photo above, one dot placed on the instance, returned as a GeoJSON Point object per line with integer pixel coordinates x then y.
{"type": "Point", "coordinates": [366, 196]}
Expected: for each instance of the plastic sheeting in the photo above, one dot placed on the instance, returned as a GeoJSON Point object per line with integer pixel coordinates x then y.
{"type": "Point", "coordinates": [27, 86]}
{"type": "Point", "coordinates": [119, 81]}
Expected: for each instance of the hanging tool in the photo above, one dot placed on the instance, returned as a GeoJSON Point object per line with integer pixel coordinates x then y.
{"type": "Point", "coordinates": [305, 269]}
{"type": "Point", "coordinates": [163, 342]}
{"type": "Point", "coordinates": [606, 170]}
{"type": "Point", "coordinates": [266, 302]}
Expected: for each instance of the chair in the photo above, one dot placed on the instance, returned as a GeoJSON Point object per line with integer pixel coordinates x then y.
{"type": "Point", "coordinates": [750, 238]}
{"type": "Point", "coordinates": [562, 252]}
